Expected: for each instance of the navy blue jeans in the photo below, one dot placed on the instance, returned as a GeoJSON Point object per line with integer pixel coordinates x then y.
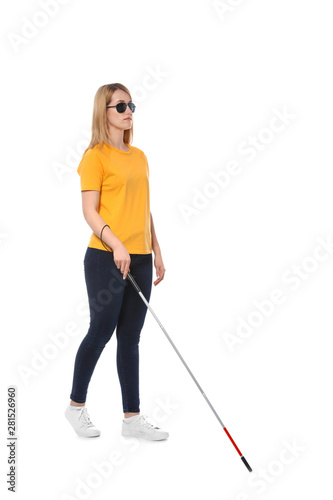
{"type": "Point", "coordinates": [113, 303]}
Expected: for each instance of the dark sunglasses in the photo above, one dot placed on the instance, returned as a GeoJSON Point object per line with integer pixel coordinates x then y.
{"type": "Point", "coordinates": [121, 107]}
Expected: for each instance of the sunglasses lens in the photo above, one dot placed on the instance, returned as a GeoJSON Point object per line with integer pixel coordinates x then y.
{"type": "Point", "coordinates": [131, 106]}
{"type": "Point", "coordinates": [121, 107]}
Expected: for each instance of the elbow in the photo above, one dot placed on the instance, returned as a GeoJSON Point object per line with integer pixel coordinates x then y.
{"type": "Point", "coordinates": [88, 214]}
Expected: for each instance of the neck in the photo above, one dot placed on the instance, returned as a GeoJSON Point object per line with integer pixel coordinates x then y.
{"type": "Point", "coordinates": [116, 138]}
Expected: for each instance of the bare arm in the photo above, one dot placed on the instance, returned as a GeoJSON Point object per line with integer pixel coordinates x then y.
{"type": "Point", "coordinates": [155, 245]}
{"type": "Point", "coordinates": [90, 202]}
{"type": "Point", "coordinates": [158, 261]}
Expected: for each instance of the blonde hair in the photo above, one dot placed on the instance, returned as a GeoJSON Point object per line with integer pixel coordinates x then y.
{"type": "Point", "coordinates": [99, 129]}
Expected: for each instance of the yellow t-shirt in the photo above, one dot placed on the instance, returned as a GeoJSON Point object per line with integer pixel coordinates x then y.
{"type": "Point", "coordinates": [122, 177]}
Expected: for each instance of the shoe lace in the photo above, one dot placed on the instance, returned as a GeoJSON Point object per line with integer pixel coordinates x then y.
{"type": "Point", "coordinates": [84, 417]}
{"type": "Point", "coordinates": [143, 420]}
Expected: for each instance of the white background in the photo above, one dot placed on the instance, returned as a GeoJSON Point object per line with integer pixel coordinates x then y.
{"type": "Point", "coordinates": [206, 78]}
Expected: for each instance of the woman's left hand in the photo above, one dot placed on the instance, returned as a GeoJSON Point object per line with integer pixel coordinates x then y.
{"type": "Point", "coordinates": [160, 269]}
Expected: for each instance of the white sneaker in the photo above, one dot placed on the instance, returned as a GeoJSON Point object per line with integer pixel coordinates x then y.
{"type": "Point", "coordinates": [79, 418]}
{"type": "Point", "coordinates": [139, 426]}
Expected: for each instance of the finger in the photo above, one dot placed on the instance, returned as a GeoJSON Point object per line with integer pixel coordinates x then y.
{"type": "Point", "coordinates": [159, 279]}
{"type": "Point", "coordinates": [125, 273]}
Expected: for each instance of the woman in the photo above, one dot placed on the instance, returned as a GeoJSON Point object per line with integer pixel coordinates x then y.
{"type": "Point", "coordinates": [116, 205]}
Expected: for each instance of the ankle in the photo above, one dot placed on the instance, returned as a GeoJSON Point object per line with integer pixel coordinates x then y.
{"type": "Point", "coordinates": [73, 403]}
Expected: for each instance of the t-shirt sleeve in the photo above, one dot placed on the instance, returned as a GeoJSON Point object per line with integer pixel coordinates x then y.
{"type": "Point", "coordinates": [90, 170]}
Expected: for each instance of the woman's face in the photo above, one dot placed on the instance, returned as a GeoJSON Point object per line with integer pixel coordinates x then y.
{"type": "Point", "coordinates": [123, 120]}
